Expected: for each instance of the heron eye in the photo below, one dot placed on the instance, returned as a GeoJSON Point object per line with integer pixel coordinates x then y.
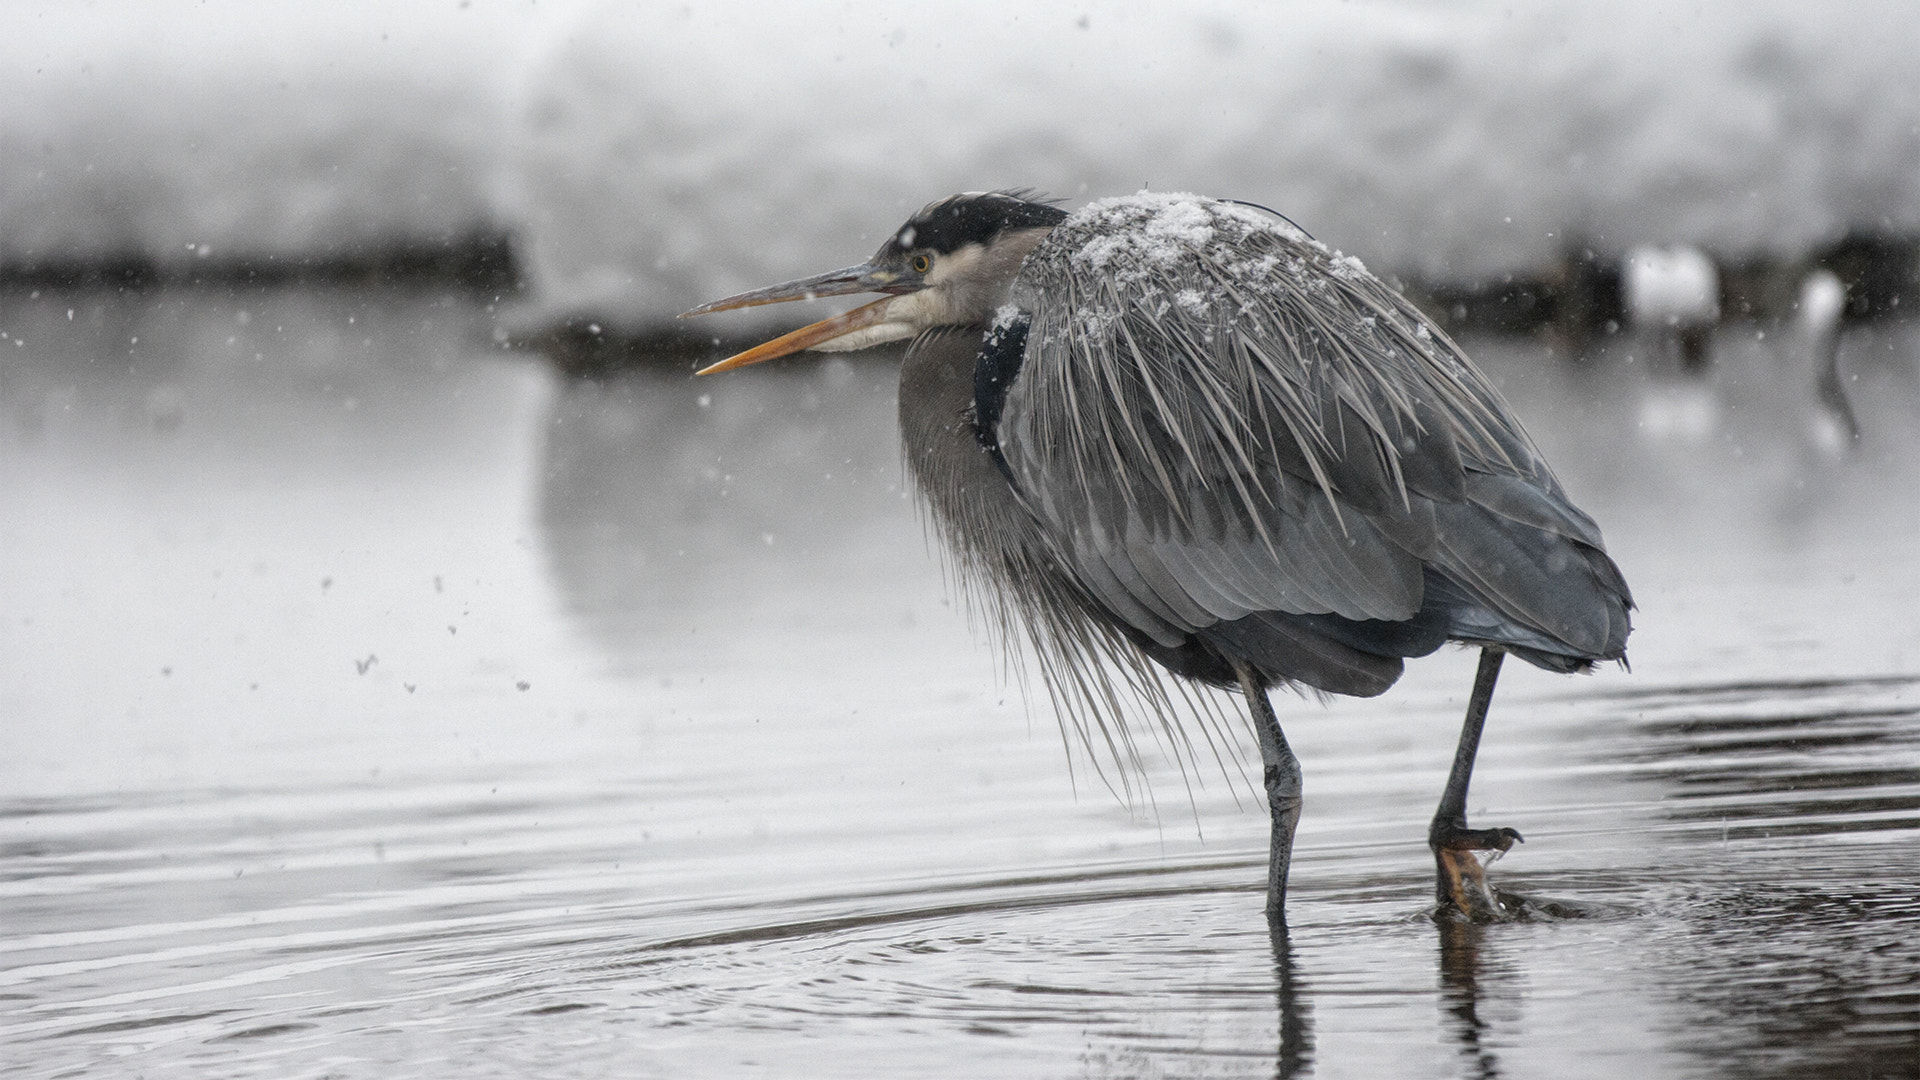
{"type": "Point", "coordinates": [921, 264]}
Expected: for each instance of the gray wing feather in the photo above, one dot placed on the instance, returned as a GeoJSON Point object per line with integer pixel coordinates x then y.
{"type": "Point", "coordinates": [1204, 560]}
{"type": "Point", "coordinates": [1528, 503]}
{"type": "Point", "coordinates": [1218, 417]}
{"type": "Point", "coordinates": [1114, 582]}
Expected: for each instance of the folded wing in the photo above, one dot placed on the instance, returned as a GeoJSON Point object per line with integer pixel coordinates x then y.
{"type": "Point", "coordinates": [1244, 446]}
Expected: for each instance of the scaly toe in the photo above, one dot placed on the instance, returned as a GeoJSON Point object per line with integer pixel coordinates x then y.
{"type": "Point", "coordinates": [1460, 838]}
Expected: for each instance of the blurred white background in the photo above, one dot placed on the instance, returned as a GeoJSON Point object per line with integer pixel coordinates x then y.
{"type": "Point", "coordinates": [647, 156]}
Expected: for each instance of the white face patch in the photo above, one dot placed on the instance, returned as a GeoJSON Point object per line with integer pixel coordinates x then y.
{"type": "Point", "coordinates": [922, 309]}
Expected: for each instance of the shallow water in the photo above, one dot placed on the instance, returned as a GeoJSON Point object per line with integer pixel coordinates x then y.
{"type": "Point", "coordinates": [382, 705]}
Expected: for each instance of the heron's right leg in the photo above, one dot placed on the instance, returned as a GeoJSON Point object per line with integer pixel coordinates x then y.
{"type": "Point", "coordinates": [1461, 881]}
{"type": "Point", "coordinates": [1282, 781]}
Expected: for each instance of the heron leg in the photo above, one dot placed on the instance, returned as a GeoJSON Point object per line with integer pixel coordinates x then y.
{"type": "Point", "coordinates": [1462, 882]}
{"type": "Point", "coordinates": [1282, 781]}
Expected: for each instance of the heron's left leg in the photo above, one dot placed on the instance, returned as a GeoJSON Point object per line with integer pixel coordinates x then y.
{"type": "Point", "coordinates": [1461, 879]}
{"type": "Point", "coordinates": [1282, 781]}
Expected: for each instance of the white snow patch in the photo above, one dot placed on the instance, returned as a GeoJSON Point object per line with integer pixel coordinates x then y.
{"type": "Point", "coordinates": [699, 152]}
{"type": "Point", "coordinates": [180, 131]}
{"type": "Point", "coordinates": [1148, 227]}
{"type": "Point", "coordinates": [1129, 237]}
{"type": "Point", "coordinates": [1348, 267]}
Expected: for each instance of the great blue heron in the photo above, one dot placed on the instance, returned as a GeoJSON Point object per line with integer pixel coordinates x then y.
{"type": "Point", "coordinates": [1172, 430]}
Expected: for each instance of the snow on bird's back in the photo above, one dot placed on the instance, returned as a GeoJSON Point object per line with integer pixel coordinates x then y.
{"type": "Point", "coordinates": [1131, 235]}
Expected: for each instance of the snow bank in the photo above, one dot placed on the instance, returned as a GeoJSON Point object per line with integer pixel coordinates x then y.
{"type": "Point", "coordinates": [114, 171]}
{"type": "Point", "coordinates": [169, 132]}
{"type": "Point", "coordinates": [653, 155]}
{"type": "Point", "coordinates": [673, 154]}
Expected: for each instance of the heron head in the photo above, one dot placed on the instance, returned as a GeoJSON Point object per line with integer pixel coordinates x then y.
{"type": "Point", "coordinates": [951, 264]}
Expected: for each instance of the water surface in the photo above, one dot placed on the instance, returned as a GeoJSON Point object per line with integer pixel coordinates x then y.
{"type": "Point", "coordinates": [380, 704]}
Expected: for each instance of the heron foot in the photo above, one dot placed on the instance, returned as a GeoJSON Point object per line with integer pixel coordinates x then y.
{"type": "Point", "coordinates": [1462, 878]}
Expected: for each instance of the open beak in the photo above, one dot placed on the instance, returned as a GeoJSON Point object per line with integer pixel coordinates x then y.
{"type": "Point", "coordinates": [863, 326]}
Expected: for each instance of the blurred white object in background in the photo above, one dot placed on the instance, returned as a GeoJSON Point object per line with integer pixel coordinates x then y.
{"type": "Point", "coordinates": [1672, 297]}
{"type": "Point", "coordinates": [1820, 305]}
{"type": "Point", "coordinates": [1821, 302]}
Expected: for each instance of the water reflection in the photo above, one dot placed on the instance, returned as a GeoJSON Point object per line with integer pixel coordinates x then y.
{"type": "Point", "coordinates": [1292, 1004]}
{"type": "Point", "coordinates": [658, 488]}
{"type": "Point", "coordinates": [1463, 980]}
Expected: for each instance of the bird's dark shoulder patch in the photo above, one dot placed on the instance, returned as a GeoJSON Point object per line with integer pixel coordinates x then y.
{"type": "Point", "coordinates": [1002, 349]}
{"type": "Point", "coordinates": [973, 217]}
